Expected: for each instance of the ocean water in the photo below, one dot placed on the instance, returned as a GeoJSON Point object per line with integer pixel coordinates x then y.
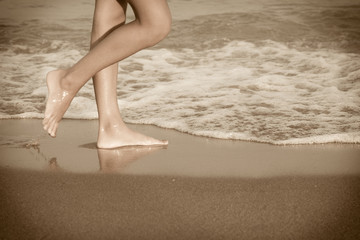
{"type": "Point", "coordinates": [280, 72]}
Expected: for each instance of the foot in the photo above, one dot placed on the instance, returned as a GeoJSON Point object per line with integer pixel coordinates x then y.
{"type": "Point", "coordinates": [58, 101]}
{"type": "Point", "coordinates": [118, 135]}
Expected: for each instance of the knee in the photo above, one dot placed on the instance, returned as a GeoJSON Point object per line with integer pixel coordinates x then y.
{"type": "Point", "coordinates": [111, 20]}
{"type": "Point", "coordinates": [156, 30]}
{"type": "Point", "coordinates": [116, 17]}
{"type": "Point", "coordinates": [104, 24]}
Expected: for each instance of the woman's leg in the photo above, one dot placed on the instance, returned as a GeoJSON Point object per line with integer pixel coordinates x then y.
{"type": "Point", "coordinates": [108, 15]}
{"type": "Point", "coordinates": [152, 24]}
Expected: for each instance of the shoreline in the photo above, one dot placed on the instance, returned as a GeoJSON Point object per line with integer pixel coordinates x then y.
{"type": "Point", "coordinates": [25, 145]}
{"type": "Point", "coordinates": [313, 140]}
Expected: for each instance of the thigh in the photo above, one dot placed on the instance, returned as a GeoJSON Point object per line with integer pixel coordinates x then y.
{"type": "Point", "coordinates": [151, 10]}
{"type": "Point", "coordinates": [110, 12]}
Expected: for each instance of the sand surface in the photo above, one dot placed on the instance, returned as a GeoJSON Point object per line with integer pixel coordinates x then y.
{"type": "Point", "coordinates": [42, 205]}
{"type": "Point", "coordinates": [197, 188]}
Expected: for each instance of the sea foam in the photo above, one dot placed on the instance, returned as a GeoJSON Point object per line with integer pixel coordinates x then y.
{"type": "Point", "coordinates": [282, 93]}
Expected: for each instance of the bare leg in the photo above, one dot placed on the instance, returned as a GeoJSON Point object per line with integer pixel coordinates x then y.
{"type": "Point", "coordinates": [113, 132]}
{"type": "Point", "coordinates": [151, 25]}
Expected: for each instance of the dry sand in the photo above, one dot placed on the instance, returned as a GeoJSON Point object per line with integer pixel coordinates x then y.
{"type": "Point", "coordinates": [197, 188]}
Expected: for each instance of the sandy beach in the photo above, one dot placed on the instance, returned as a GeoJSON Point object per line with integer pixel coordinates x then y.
{"type": "Point", "coordinates": [196, 188]}
{"type": "Point", "coordinates": [263, 72]}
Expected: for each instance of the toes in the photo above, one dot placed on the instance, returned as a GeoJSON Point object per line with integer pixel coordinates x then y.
{"type": "Point", "coordinates": [160, 142]}
{"type": "Point", "coordinates": [55, 129]}
{"type": "Point", "coordinates": [47, 122]}
{"type": "Point", "coordinates": [52, 129]}
{"type": "Point", "coordinates": [51, 126]}
{"type": "Point", "coordinates": [153, 141]}
{"type": "Point", "coordinates": [164, 142]}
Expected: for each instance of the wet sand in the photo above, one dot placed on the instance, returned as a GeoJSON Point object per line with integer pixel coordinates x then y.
{"type": "Point", "coordinates": [196, 188]}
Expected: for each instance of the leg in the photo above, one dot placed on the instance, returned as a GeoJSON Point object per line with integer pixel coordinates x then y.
{"type": "Point", "coordinates": [108, 15]}
{"type": "Point", "coordinates": [113, 132]}
{"type": "Point", "coordinates": [152, 24]}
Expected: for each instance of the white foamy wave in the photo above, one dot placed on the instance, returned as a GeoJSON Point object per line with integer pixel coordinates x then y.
{"type": "Point", "coordinates": [22, 115]}
{"type": "Point", "coordinates": [278, 73]}
{"type": "Point", "coordinates": [265, 91]}
{"type": "Point", "coordinates": [23, 87]}
{"type": "Point", "coordinates": [330, 138]}
{"type": "Point", "coordinates": [82, 108]}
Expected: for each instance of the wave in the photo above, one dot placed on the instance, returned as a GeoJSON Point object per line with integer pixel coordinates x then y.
{"type": "Point", "coordinates": [229, 76]}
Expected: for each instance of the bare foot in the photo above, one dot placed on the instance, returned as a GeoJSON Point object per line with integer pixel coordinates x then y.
{"type": "Point", "coordinates": [118, 135]}
{"type": "Point", "coordinates": [57, 103]}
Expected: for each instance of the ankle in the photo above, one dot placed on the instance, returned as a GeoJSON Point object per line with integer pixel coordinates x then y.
{"type": "Point", "coordinates": [109, 117]}
{"type": "Point", "coordinates": [109, 126]}
{"type": "Point", "coordinates": [66, 83]}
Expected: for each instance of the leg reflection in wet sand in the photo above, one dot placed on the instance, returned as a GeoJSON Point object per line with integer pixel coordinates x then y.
{"type": "Point", "coordinates": [53, 165]}
{"type": "Point", "coordinates": [115, 160]}
{"type": "Point", "coordinates": [110, 160]}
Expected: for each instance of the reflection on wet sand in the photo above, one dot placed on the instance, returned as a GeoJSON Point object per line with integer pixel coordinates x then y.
{"type": "Point", "coordinates": [115, 160]}
{"type": "Point", "coordinates": [110, 160]}
{"type": "Point", "coordinates": [53, 165]}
